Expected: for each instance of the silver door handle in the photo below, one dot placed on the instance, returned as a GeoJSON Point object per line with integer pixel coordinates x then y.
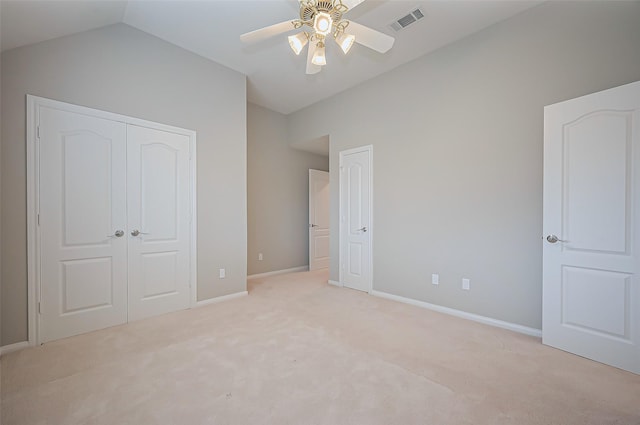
{"type": "Point", "coordinates": [313, 225]}
{"type": "Point", "coordinates": [117, 234]}
{"type": "Point", "coordinates": [137, 232]}
{"type": "Point", "coordinates": [363, 229]}
{"type": "Point", "coordinates": [554, 239]}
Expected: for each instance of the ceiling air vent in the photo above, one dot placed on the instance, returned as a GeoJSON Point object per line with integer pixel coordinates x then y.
{"type": "Point", "coordinates": [407, 20]}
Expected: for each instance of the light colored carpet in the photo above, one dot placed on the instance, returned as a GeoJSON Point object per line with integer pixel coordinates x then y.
{"type": "Point", "coordinates": [298, 351]}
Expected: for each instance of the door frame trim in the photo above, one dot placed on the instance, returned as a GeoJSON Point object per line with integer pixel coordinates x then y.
{"type": "Point", "coordinates": [341, 231]}
{"type": "Point", "coordinates": [33, 195]}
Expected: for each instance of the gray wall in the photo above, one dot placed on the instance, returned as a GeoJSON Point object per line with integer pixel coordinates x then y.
{"type": "Point", "coordinates": [278, 193]}
{"type": "Point", "coordinates": [0, 178]}
{"type": "Point", "coordinates": [123, 70]}
{"type": "Point", "coordinates": [457, 159]}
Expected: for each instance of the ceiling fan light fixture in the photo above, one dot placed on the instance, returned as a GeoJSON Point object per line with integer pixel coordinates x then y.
{"type": "Point", "coordinates": [345, 41]}
{"type": "Point", "coordinates": [298, 41]}
{"type": "Point", "coordinates": [318, 20]}
{"type": "Point", "coordinates": [318, 56]}
{"type": "Point", "coordinates": [322, 23]}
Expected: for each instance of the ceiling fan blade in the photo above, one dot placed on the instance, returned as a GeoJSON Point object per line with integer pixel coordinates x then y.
{"type": "Point", "coordinates": [370, 38]}
{"type": "Point", "coordinates": [351, 3]}
{"type": "Point", "coordinates": [266, 32]}
{"type": "Point", "coordinates": [311, 67]}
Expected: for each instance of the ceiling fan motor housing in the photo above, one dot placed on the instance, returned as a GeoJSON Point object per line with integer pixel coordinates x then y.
{"type": "Point", "coordinates": [334, 8]}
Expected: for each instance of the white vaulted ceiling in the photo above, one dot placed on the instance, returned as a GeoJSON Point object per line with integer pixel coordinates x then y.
{"type": "Point", "coordinates": [276, 77]}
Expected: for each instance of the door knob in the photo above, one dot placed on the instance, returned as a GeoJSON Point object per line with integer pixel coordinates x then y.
{"type": "Point", "coordinates": [117, 234]}
{"type": "Point", "coordinates": [137, 232]}
{"type": "Point", "coordinates": [363, 229]}
{"type": "Point", "coordinates": [554, 239]}
{"type": "Point", "coordinates": [313, 225]}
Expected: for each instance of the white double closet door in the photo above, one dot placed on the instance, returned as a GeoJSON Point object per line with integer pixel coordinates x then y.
{"type": "Point", "coordinates": [114, 222]}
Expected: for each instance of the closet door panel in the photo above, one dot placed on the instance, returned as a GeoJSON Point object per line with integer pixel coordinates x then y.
{"type": "Point", "coordinates": [159, 221]}
{"type": "Point", "coordinates": [83, 281]}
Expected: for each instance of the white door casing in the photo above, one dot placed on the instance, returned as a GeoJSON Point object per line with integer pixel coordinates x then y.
{"type": "Point", "coordinates": [356, 224]}
{"type": "Point", "coordinates": [83, 207]}
{"type": "Point", "coordinates": [318, 219]}
{"type": "Point", "coordinates": [591, 250]}
{"type": "Point", "coordinates": [83, 262]}
{"type": "Point", "coordinates": [158, 218]}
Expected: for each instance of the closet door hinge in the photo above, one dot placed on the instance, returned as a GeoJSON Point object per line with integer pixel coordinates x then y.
{"type": "Point", "coordinates": [39, 309]}
{"type": "Point", "coordinates": [38, 132]}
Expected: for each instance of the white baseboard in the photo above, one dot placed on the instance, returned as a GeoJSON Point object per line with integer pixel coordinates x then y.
{"type": "Point", "coordinates": [277, 272]}
{"type": "Point", "coordinates": [221, 299]}
{"type": "Point", "coordinates": [335, 283]}
{"type": "Point", "coordinates": [13, 347]}
{"type": "Point", "coordinates": [463, 314]}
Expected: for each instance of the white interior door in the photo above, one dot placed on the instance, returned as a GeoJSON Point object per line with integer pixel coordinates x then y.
{"type": "Point", "coordinates": [591, 294]}
{"type": "Point", "coordinates": [355, 218]}
{"type": "Point", "coordinates": [82, 216]}
{"type": "Point", "coordinates": [159, 221]}
{"type": "Point", "coordinates": [318, 219]}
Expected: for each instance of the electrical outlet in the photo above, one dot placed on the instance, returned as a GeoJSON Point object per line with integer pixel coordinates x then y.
{"type": "Point", "coordinates": [223, 273]}
{"type": "Point", "coordinates": [260, 256]}
{"type": "Point", "coordinates": [435, 279]}
{"type": "Point", "coordinates": [465, 284]}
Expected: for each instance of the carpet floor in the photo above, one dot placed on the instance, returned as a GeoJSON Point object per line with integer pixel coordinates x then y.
{"type": "Point", "coordinates": [299, 351]}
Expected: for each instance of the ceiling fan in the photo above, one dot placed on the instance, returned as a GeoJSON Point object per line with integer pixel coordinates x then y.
{"type": "Point", "coordinates": [322, 19]}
